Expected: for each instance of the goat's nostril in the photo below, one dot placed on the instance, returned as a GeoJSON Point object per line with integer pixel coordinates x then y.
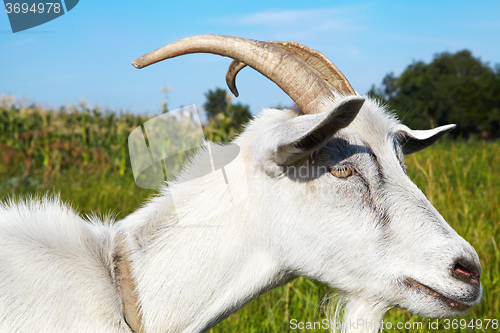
{"type": "Point", "coordinates": [462, 271]}
{"type": "Point", "coordinates": [466, 272]}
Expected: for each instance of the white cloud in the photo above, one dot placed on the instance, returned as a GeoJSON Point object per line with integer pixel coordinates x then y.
{"type": "Point", "coordinates": [18, 42]}
{"type": "Point", "coordinates": [303, 24]}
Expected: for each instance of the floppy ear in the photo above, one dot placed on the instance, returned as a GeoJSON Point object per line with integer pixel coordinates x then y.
{"type": "Point", "coordinates": [295, 138]}
{"type": "Point", "coordinates": [414, 140]}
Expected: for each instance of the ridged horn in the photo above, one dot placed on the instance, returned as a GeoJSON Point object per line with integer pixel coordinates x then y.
{"type": "Point", "coordinates": [309, 90]}
{"type": "Point", "coordinates": [317, 62]}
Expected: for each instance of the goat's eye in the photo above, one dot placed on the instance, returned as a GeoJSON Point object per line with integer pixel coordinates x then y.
{"type": "Point", "coordinates": [342, 171]}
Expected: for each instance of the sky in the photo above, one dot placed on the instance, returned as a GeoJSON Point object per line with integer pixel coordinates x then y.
{"type": "Point", "coordinates": [85, 54]}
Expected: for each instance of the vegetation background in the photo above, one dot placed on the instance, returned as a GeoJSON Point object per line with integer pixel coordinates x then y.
{"type": "Point", "coordinates": [81, 153]}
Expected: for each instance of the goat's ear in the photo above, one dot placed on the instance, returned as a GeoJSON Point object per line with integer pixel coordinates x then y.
{"type": "Point", "coordinates": [302, 135]}
{"type": "Point", "coordinates": [414, 140]}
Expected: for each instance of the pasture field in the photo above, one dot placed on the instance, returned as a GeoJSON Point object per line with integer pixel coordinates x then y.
{"type": "Point", "coordinates": [81, 154]}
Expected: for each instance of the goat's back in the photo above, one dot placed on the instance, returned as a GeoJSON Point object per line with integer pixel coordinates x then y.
{"type": "Point", "coordinates": [55, 271]}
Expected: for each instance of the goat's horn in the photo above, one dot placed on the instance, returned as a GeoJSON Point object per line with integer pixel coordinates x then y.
{"type": "Point", "coordinates": [317, 62]}
{"type": "Point", "coordinates": [306, 88]}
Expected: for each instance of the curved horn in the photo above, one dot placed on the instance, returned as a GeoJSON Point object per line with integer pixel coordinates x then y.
{"type": "Point", "coordinates": [317, 62]}
{"type": "Point", "coordinates": [234, 68]}
{"type": "Point", "coordinates": [306, 88]}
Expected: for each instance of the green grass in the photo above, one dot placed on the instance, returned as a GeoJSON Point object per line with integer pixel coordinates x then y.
{"type": "Point", "coordinates": [460, 178]}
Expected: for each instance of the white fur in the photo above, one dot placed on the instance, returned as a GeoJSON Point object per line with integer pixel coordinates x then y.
{"type": "Point", "coordinates": [199, 258]}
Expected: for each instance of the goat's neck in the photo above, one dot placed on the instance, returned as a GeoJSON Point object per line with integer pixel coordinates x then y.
{"type": "Point", "coordinates": [192, 273]}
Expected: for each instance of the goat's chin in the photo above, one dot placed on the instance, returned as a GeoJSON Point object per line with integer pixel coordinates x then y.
{"type": "Point", "coordinates": [436, 309]}
{"type": "Point", "coordinates": [428, 302]}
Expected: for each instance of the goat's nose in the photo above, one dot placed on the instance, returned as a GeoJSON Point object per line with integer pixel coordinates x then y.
{"type": "Point", "coordinates": [466, 271]}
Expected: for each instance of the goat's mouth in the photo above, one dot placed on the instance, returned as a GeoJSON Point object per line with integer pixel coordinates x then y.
{"type": "Point", "coordinates": [453, 304]}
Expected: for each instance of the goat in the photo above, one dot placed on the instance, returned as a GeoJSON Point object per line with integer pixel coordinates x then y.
{"type": "Point", "coordinates": [353, 220]}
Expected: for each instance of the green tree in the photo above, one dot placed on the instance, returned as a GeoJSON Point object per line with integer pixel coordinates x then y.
{"type": "Point", "coordinates": [216, 102]}
{"type": "Point", "coordinates": [226, 119]}
{"type": "Point", "coordinates": [453, 88]}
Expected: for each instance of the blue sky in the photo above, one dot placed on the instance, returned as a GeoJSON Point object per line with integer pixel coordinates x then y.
{"type": "Point", "coordinates": [86, 53]}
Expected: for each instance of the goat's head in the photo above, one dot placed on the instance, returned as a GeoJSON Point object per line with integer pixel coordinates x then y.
{"type": "Point", "coordinates": [339, 205]}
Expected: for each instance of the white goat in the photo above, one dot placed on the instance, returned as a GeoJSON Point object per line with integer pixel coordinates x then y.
{"type": "Point", "coordinates": [351, 219]}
